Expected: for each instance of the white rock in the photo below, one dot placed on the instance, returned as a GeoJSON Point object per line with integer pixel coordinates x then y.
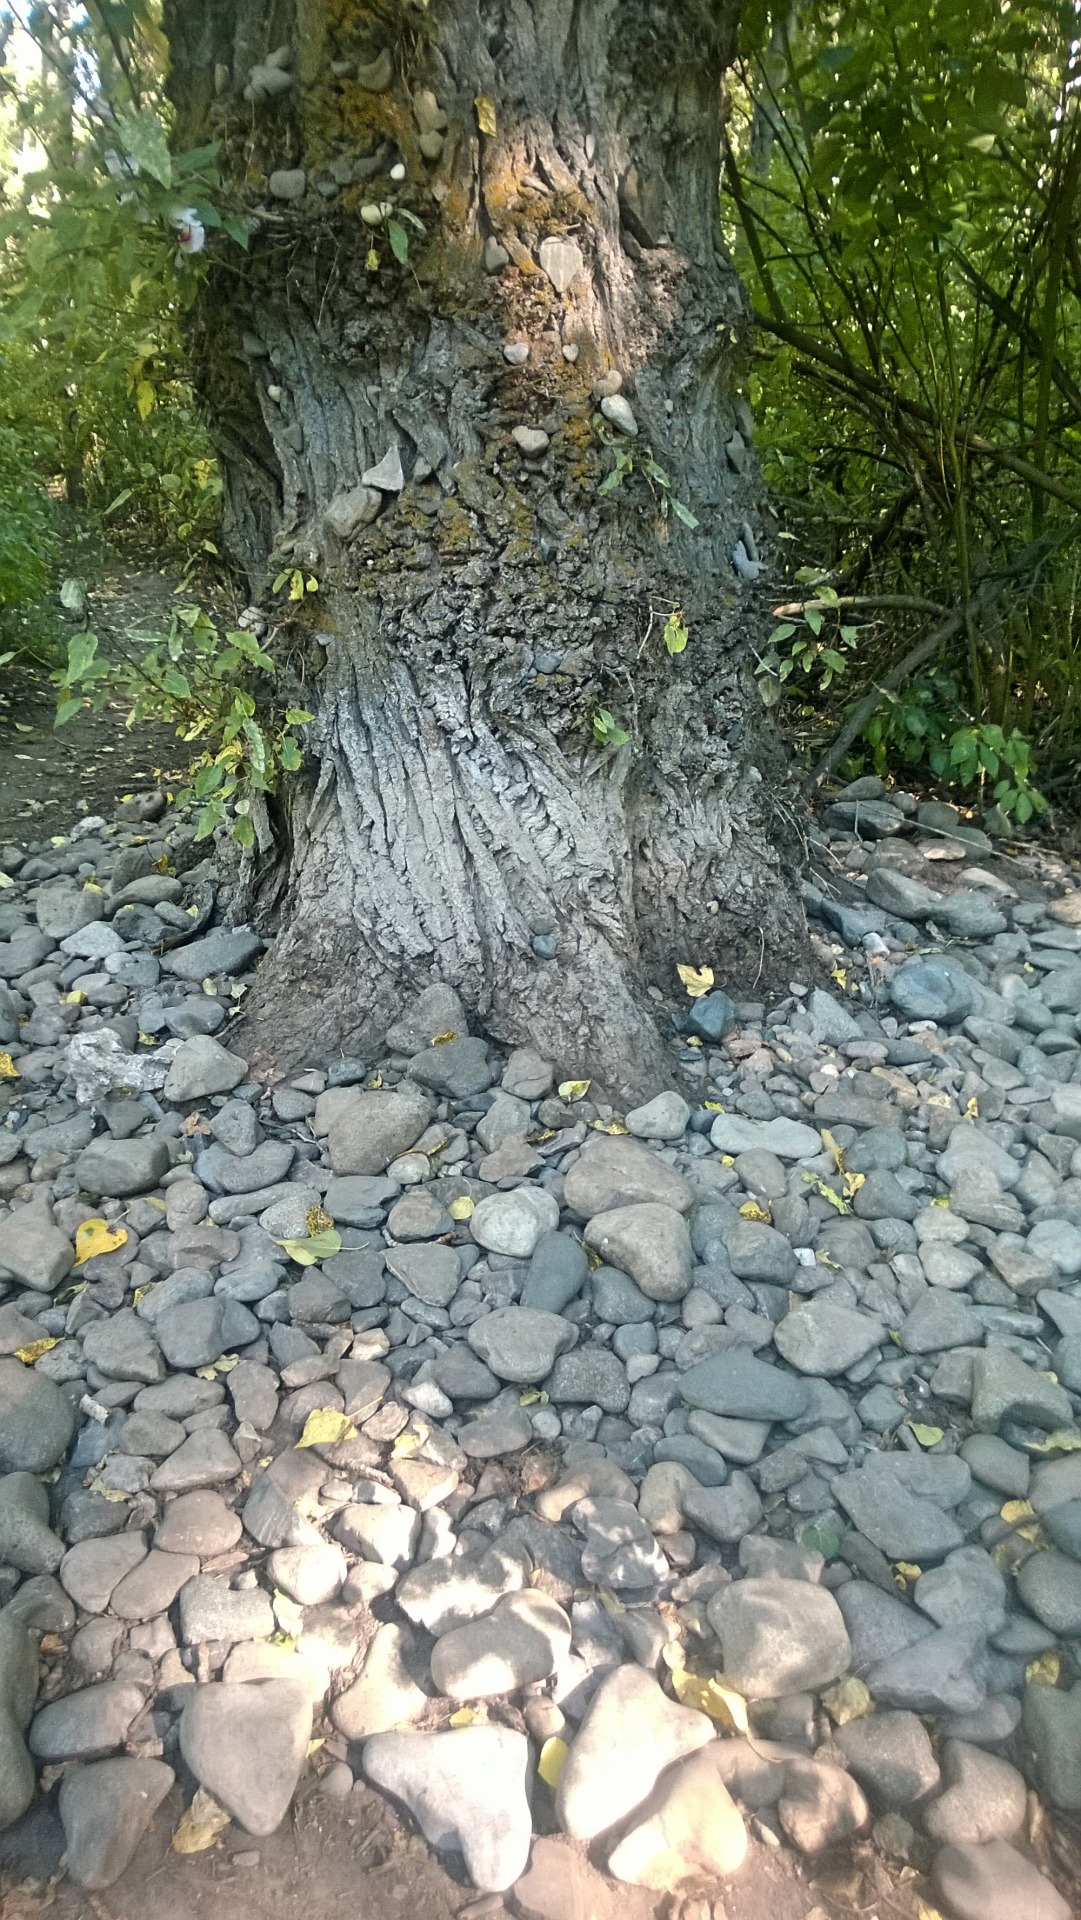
{"type": "Point", "coordinates": [388, 475]}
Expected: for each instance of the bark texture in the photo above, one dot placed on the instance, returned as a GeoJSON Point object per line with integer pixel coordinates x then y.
{"type": "Point", "coordinates": [456, 819]}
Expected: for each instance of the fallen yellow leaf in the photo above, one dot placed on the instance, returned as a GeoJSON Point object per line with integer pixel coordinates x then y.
{"type": "Point", "coordinates": [103, 1492]}
{"type": "Point", "coordinates": [972, 1110]}
{"type": "Point", "coordinates": [849, 1700]}
{"type": "Point", "coordinates": [485, 110]}
{"type": "Point", "coordinates": [462, 1208]}
{"type": "Point", "coordinates": [467, 1717]}
{"type": "Point", "coordinates": [533, 1397]}
{"type": "Point", "coordinates": [905, 1573]}
{"type": "Point", "coordinates": [552, 1760]}
{"type": "Point", "coordinates": [713, 1106]}
{"type": "Point", "coordinates": [1045, 1671]}
{"type": "Point", "coordinates": [320, 1246]}
{"type": "Point", "coordinates": [97, 1236]}
{"type": "Point", "coordinates": [209, 987]}
{"type": "Point", "coordinates": [751, 1210]}
{"type": "Point", "coordinates": [608, 1126]}
{"type": "Point", "coordinates": [375, 1082]}
{"type": "Point", "coordinates": [574, 1089]}
{"type": "Point", "coordinates": [34, 1350]}
{"type": "Point", "coordinates": [840, 974]}
{"type": "Point", "coordinates": [713, 1697]}
{"type": "Point", "coordinates": [8, 1069]}
{"type": "Point", "coordinates": [1014, 1511]}
{"type": "Point", "coordinates": [326, 1427]}
{"type": "Point", "coordinates": [1064, 1440]}
{"type": "Point", "coordinates": [927, 1436]}
{"type": "Point", "coordinates": [697, 980]}
{"type": "Point", "coordinates": [201, 1825]}
{"type": "Point", "coordinates": [76, 998]}
{"type": "Point", "coordinates": [443, 1039]}
{"type": "Point", "coordinates": [317, 1221]}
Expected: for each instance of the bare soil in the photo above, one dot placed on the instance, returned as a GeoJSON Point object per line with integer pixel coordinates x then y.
{"type": "Point", "coordinates": [48, 776]}
{"type": "Point", "coordinates": [354, 1858]}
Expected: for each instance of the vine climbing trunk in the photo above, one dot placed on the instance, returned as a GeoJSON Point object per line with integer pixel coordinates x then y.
{"type": "Point", "coordinates": [429, 437]}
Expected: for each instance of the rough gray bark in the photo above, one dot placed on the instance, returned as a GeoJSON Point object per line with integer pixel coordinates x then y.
{"type": "Point", "coordinates": [456, 809]}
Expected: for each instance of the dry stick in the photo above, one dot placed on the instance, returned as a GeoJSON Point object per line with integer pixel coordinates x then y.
{"type": "Point", "coordinates": [892, 602]}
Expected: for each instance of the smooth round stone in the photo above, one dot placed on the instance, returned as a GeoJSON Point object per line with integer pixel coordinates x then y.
{"type": "Point", "coordinates": [1050, 1585]}
{"type": "Point", "coordinates": [779, 1636]}
{"type": "Point", "coordinates": [520, 1343]}
{"type": "Point", "coordinates": [36, 1419]}
{"type": "Point", "coordinates": [246, 1743]}
{"type": "Point", "coordinates": [512, 1223]}
{"type": "Point", "coordinates": [689, 1829]}
{"type": "Point", "coordinates": [984, 1798]}
{"type": "Point", "coordinates": [788, 1139]}
{"type": "Point", "coordinates": [650, 1242]}
{"type": "Point", "coordinates": [822, 1339]}
{"type": "Point", "coordinates": [891, 1756]}
{"type": "Point", "coordinates": [557, 1272]}
{"type": "Point", "coordinates": [418, 1215]}
{"type": "Point", "coordinates": [664, 1118]}
{"type": "Point", "coordinates": [995, 1882]}
{"type": "Point", "coordinates": [522, 1640]}
{"type": "Point", "coordinates": [199, 1523]}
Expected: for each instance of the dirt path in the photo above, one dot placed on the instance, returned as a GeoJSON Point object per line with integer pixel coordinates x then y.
{"type": "Point", "coordinates": [47, 778]}
{"type": "Point", "coordinates": [359, 1860]}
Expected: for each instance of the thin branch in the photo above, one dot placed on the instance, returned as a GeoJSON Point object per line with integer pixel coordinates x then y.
{"type": "Point", "coordinates": [881, 602]}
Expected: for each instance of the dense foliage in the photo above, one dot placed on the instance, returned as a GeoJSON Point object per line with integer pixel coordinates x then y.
{"type": "Point", "coordinates": [902, 183]}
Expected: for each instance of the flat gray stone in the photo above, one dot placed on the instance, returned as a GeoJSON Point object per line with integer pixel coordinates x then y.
{"type": "Point", "coordinates": [246, 1743]}
{"type": "Point", "coordinates": [779, 1636]}
{"type": "Point", "coordinates": [995, 1882]}
{"type": "Point", "coordinates": [824, 1339]}
{"type": "Point", "coordinates": [86, 1725]}
{"type": "Point", "coordinates": [202, 1066]}
{"type": "Point", "coordinates": [519, 1343]}
{"type": "Point", "coordinates": [788, 1139]}
{"type": "Point", "coordinates": [891, 1756]}
{"type": "Point", "coordinates": [629, 1716]}
{"type": "Point", "coordinates": [522, 1640]}
{"type": "Point", "coordinates": [466, 1789]}
{"type": "Point", "coordinates": [650, 1242]}
{"type": "Point", "coordinates": [369, 1130]}
{"type": "Point", "coordinates": [613, 1171]}
{"type": "Point", "coordinates": [105, 1809]}
{"type": "Point", "coordinates": [737, 1384]}
{"type": "Point", "coordinates": [36, 1420]}
{"type": "Point", "coordinates": [938, 1674]}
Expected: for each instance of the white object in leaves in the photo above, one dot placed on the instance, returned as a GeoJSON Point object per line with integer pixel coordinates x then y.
{"type": "Point", "coordinates": [747, 568]}
{"type": "Point", "coordinates": [190, 231]}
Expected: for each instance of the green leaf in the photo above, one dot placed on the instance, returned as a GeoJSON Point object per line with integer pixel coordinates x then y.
{"type": "Point", "coordinates": [66, 711]}
{"type": "Point", "coordinates": [683, 513]}
{"type": "Point", "coordinates": [399, 241]}
{"type": "Point", "coordinates": [814, 617]}
{"type": "Point", "coordinates": [142, 136]}
{"type": "Point", "coordinates": [237, 230]}
{"type": "Point", "coordinates": [297, 716]}
{"type": "Point", "coordinates": [289, 754]}
{"type": "Point", "coordinates": [243, 831]}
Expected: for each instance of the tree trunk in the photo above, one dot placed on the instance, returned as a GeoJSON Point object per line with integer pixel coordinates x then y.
{"type": "Point", "coordinates": [457, 819]}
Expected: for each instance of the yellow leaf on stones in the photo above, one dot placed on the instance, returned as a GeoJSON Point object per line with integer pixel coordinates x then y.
{"type": "Point", "coordinates": [852, 1184]}
{"type": "Point", "coordinates": [972, 1110]}
{"type": "Point", "coordinates": [106, 1493]}
{"type": "Point", "coordinates": [6, 880]}
{"type": "Point", "coordinates": [76, 998]}
{"type": "Point", "coordinates": [8, 1069]}
{"type": "Point", "coordinates": [406, 1444]}
{"type": "Point", "coordinates": [924, 1912]}
{"type": "Point", "coordinates": [375, 1083]}
{"type": "Point", "coordinates": [828, 1193]}
{"type": "Point", "coordinates": [553, 1757]}
{"type": "Point", "coordinates": [1064, 1440]}
{"type": "Point", "coordinates": [151, 1201]}
{"type": "Point", "coordinates": [534, 1397]}
{"type": "Point", "coordinates": [1015, 1511]}
{"type": "Point", "coordinates": [97, 1236]}
{"type": "Point", "coordinates": [927, 1436]}
{"type": "Point", "coordinates": [1045, 1671]}
{"type": "Point", "coordinates": [467, 1717]}
{"type": "Point", "coordinates": [697, 980]}
{"type": "Point", "coordinates": [308, 1253]}
{"type": "Point", "coordinates": [831, 1146]}
{"type": "Point", "coordinates": [840, 974]}
{"type": "Point", "coordinates": [713, 1106]}
{"type": "Point", "coordinates": [462, 1208]}
{"type": "Point", "coordinates": [713, 1697]}
{"type": "Point", "coordinates": [905, 1573]}
{"type": "Point", "coordinates": [314, 1746]}
{"type": "Point", "coordinates": [317, 1221]}
{"type": "Point", "coordinates": [538, 1139]}
{"type": "Point", "coordinates": [443, 1039]}
{"type": "Point", "coordinates": [326, 1427]}
{"type": "Point", "coordinates": [288, 1614]}
{"type": "Point", "coordinates": [941, 1200]}
{"type": "Point", "coordinates": [201, 1825]}
{"type": "Point", "coordinates": [34, 1350]}
{"type": "Point", "coordinates": [573, 1089]}
{"type": "Point", "coordinates": [147, 1040]}
{"type": "Point", "coordinates": [209, 987]}
{"type": "Point", "coordinates": [728, 1159]}
{"type": "Point", "coordinates": [609, 1601]}
{"type": "Point", "coordinates": [485, 109]}
{"type": "Point", "coordinates": [750, 1210]}
{"type": "Point", "coordinates": [848, 1700]}
{"type": "Point", "coordinates": [608, 1126]}
{"type": "Point", "coordinates": [693, 1040]}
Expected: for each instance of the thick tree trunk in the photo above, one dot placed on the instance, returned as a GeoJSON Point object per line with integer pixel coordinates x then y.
{"type": "Point", "coordinates": [457, 819]}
